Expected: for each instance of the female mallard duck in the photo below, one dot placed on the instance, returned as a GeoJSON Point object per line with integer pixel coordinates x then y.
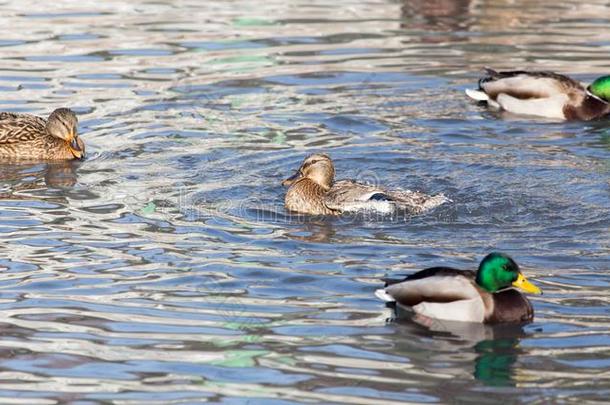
{"type": "Point", "coordinates": [544, 94]}
{"type": "Point", "coordinates": [314, 191]}
{"type": "Point", "coordinates": [25, 136]}
{"type": "Point", "coordinates": [462, 295]}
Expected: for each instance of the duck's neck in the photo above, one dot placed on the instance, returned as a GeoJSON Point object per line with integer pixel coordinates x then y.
{"type": "Point", "coordinates": [310, 187]}
{"type": "Point", "coordinates": [591, 108]}
{"type": "Point", "coordinates": [307, 196]}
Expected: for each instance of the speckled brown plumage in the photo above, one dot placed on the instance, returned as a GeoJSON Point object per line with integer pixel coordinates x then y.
{"type": "Point", "coordinates": [314, 191]}
{"type": "Point", "coordinates": [28, 137]}
{"type": "Point", "coordinates": [308, 197]}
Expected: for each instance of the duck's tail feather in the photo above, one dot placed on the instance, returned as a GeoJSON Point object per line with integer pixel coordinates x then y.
{"type": "Point", "coordinates": [384, 296]}
{"type": "Point", "coordinates": [491, 72]}
{"type": "Point", "coordinates": [435, 201]}
{"type": "Point", "coordinates": [392, 280]}
{"type": "Point", "coordinates": [482, 97]}
{"type": "Point", "coordinates": [490, 75]}
{"type": "Point", "coordinates": [477, 95]}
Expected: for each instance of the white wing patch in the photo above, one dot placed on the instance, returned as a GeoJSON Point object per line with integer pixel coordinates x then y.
{"type": "Point", "coordinates": [471, 310]}
{"type": "Point", "coordinates": [382, 207]}
{"type": "Point", "coordinates": [551, 107]}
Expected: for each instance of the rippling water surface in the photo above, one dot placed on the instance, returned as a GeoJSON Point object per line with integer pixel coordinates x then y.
{"type": "Point", "coordinates": [164, 269]}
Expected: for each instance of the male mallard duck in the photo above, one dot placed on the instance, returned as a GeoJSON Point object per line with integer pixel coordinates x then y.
{"type": "Point", "coordinates": [25, 136]}
{"type": "Point", "coordinates": [544, 94]}
{"type": "Point", "coordinates": [462, 295]}
{"type": "Point", "coordinates": [313, 191]}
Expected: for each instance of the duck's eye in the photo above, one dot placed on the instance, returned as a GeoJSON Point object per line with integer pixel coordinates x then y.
{"type": "Point", "coordinates": [307, 164]}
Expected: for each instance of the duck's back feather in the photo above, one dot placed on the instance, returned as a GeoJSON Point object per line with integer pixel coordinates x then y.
{"type": "Point", "coordinates": [15, 128]}
{"type": "Point", "coordinates": [436, 284]}
{"type": "Point", "coordinates": [438, 292]}
{"type": "Point", "coordinates": [347, 195]}
{"type": "Point", "coordinates": [529, 85]}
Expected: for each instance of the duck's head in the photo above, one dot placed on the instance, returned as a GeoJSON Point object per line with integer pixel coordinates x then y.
{"type": "Point", "coordinates": [318, 168]}
{"type": "Point", "coordinates": [601, 88]}
{"type": "Point", "coordinates": [62, 124]}
{"type": "Point", "coordinates": [498, 271]}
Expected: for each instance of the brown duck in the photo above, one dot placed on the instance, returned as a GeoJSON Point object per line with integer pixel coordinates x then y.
{"type": "Point", "coordinates": [313, 190]}
{"type": "Point", "coordinates": [28, 137]}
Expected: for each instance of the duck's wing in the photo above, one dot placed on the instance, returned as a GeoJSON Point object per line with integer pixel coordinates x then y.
{"type": "Point", "coordinates": [438, 292]}
{"type": "Point", "coordinates": [415, 201]}
{"type": "Point", "coordinates": [16, 128]}
{"type": "Point", "coordinates": [436, 284]}
{"type": "Point", "coordinates": [526, 85]}
{"type": "Point", "coordinates": [540, 93]}
{"type": "Point", "coordinates": [347, 195]}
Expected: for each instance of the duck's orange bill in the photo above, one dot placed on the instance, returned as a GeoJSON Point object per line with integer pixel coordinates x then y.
{"type": "Point", "coordinates": [522, 284]}
{"type": "Point", "coordinates": [77, 147]}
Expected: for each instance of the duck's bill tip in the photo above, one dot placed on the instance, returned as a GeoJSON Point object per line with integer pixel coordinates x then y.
{"type": "Point", "coordinates": [291, 179]}
{"type": "Point", "coordinates": [77, 147]}
{"type": "Point", "coordinates": [523, 284]}
{"type": "Point", "coordinates": [78, 155]}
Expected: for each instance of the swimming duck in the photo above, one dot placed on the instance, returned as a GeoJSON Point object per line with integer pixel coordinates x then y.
{"type": "Point", "coordinates": [543, 94]}
{"type": "Point", "coordinates": [25, 136]}
{"type": "Point", "coordinates": [450, 294]}
{"type": "Point", "coordinates": [314, 191]}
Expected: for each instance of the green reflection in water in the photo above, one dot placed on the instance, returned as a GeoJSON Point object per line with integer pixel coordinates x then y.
{"type": "Point", "coordinates": [494, 364]}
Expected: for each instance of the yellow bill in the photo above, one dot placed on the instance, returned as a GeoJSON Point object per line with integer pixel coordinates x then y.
{"type": "Point", "coordinates": [522, 284]}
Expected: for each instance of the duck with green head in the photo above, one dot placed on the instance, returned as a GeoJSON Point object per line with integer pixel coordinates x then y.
{"type": "Point", "coordinates": [543, 94]}
{"type": "Point", "coordinates": [488, 295]}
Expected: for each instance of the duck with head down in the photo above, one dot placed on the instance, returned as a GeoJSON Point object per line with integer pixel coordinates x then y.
{"type": "Point", "coordinates": [28, 137]}
{"type": "Point", "coordinates": [313, 190]}
{"type": "Point", "coordinates": [543, 94]}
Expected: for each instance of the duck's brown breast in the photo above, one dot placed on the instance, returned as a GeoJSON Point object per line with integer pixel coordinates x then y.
{"type": "Point", "coordinates": [307, 197]}
{"type": "Point", "coordinates": [43, 147]}
{"type": "Point", "coordinates": [510, 306]}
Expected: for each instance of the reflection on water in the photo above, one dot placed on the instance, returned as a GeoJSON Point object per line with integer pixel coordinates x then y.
{"type": "Point", "coordinates": [436, 15]}
{"type": "Point", "coordinates": [20, 176]}
{"type": "Point", "coordinates": [493, 366]}
{"type": "Point", "coordinates": [495, 348]}
{"type": "Point", "coordinates": [164, 267]}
